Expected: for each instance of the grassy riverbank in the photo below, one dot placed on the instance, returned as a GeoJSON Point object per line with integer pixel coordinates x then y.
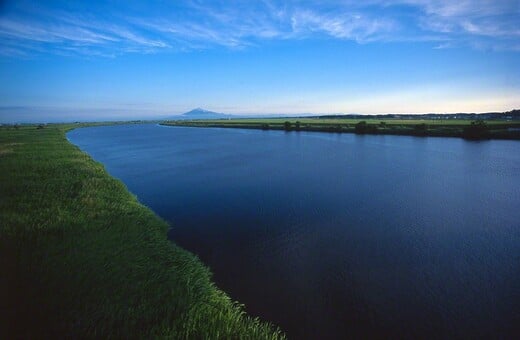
{"type": "Point", "coordinates": [81, 257]}
{"type": "Point", "coordinates": [500, 129]}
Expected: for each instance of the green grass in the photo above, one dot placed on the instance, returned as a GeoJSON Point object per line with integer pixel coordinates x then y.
{"type": "Point", "coordinates": [81, 257]}
{"type": "Point", "coordinates": [434, 127]}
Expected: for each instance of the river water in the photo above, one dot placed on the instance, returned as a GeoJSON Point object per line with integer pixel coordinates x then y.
{"type": "Point", "coordinates": [337, 235]}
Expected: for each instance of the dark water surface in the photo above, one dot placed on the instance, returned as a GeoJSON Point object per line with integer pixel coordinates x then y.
{"type": "Point", "coordinates": [337, 235]}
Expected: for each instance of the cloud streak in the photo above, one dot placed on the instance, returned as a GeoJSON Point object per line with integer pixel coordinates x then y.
{"type": "Point", "coordinates": [29, 29]}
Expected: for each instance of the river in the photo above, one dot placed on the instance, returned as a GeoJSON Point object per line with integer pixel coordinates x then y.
{"type": "Point", "coordinates": [337, 235]}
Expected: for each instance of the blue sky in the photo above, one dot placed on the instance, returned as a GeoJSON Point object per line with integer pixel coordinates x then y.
{"type": "Point", "coordinates": [92, 60]}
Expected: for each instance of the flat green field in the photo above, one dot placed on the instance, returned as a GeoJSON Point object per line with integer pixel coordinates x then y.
{"type": "Point", "coordinates": [417, 127]}
{"type": "Point", "coordinates": [80, 257]}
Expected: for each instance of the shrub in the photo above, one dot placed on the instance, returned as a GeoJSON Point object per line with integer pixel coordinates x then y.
{"type": "Point", "coordinates": [476, 130]}
{"type": "Point", "coordinates": [420, 129]}
{"type": "Point", "coordinates": [363, 127]}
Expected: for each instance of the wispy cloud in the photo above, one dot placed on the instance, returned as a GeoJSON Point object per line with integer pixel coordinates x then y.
{"type": "Point", "coordinates": [349, 26]}
{"type": "Point", "coordinates": [202, 24]}
{"type": "Point", "coordinates": [475, 23]}
{"type": "Point", "coordinates": [67, 33]}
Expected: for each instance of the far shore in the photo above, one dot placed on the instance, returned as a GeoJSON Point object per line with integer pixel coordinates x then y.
{"type": "Point", "coordinates": [464, 128]}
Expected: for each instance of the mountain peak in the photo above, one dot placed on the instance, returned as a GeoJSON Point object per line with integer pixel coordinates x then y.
{"type": "Point", "coordinates": [202, 113]}
{"type": "Point", "coordinates": [198, 111]}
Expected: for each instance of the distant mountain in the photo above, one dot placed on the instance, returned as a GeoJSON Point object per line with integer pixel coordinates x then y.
{"type": "Point", "coordinates": [199, 113]}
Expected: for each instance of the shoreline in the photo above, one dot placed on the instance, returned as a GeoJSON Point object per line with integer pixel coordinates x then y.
{"type": "Point", "coordinates": [509, 130]}
{"type": "Point", "coordinates": [81, 256]}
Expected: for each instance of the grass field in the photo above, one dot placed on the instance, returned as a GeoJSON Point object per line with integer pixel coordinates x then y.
{"type": "Point", "coordinates": [82, 258]}
{"type": "Point", "coordinates": [416, 127]}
